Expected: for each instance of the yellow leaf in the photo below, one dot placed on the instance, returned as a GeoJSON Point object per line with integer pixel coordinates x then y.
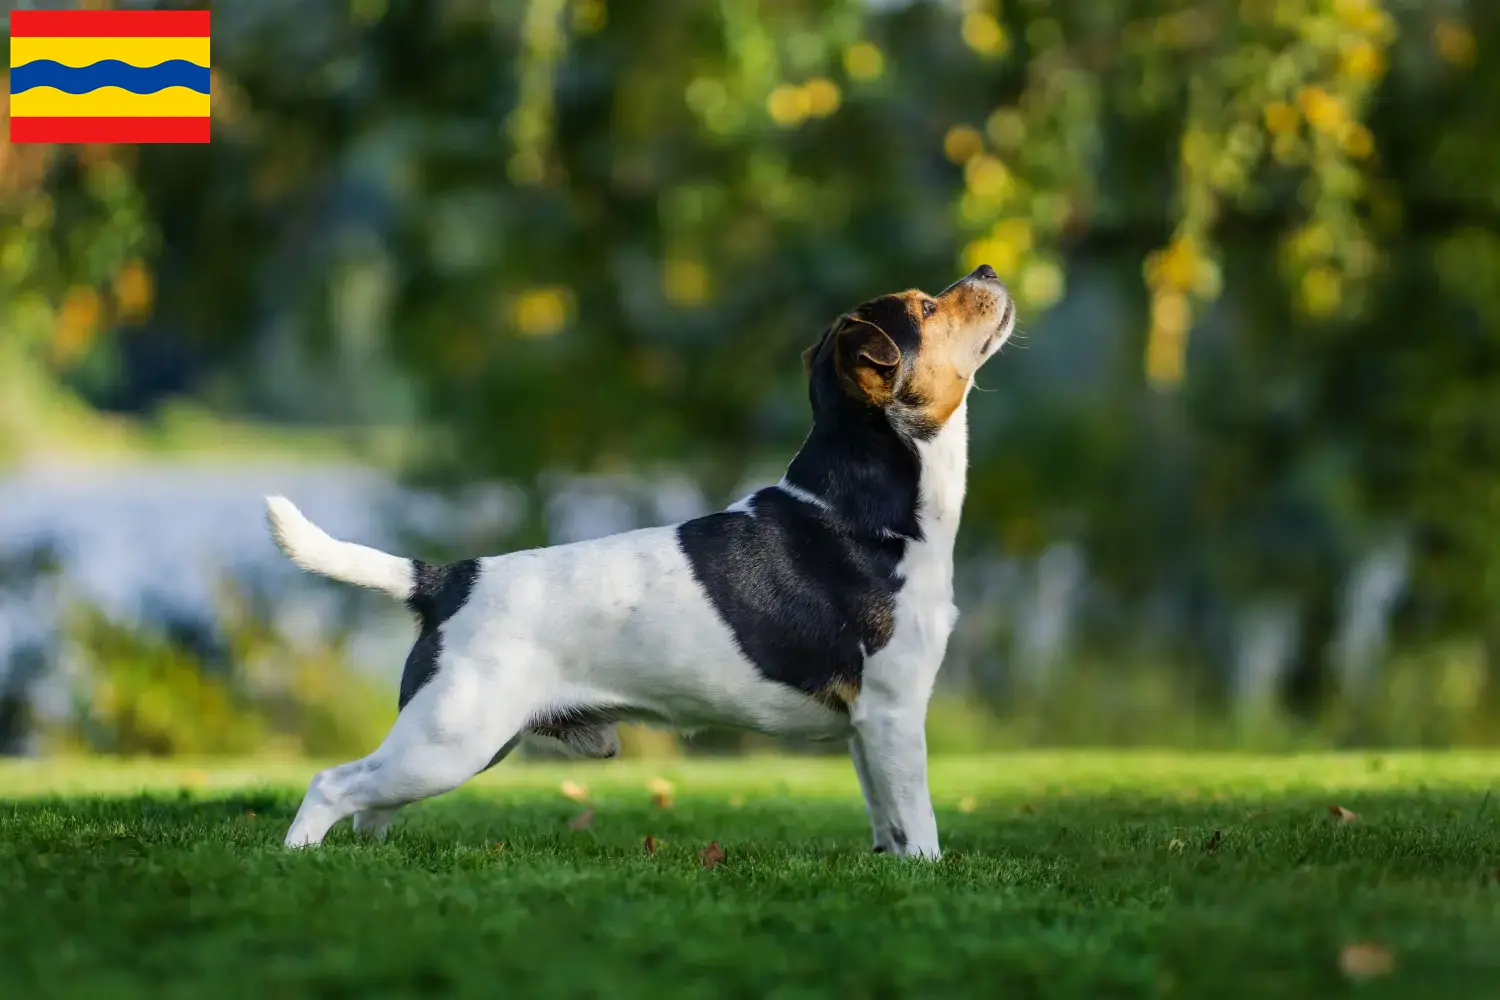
{"type": "Point", "coordinates": [823, 96]}
{"type": "Point", "coordinates": [1357, 141]}
{"type": "Point", "coordinates": [1041, 284]}
{"type": "Point", "coordinates": [1322, 291]}
{"type": "Point", "coordinates": [789, 105]}
{"type": "Point", "coordinates": [1454, 42]}
{"type": "Point", "coordinates": [1281, 118]}
{"type": "Point", "coordinates": [987, 177]}
{"type": "Point", "coordinates": [962, 143]}
{"type": "Point", "coordinates": [76, 323]}
{"type": "Point", "coordinates": [863, 61]}
{"type": "Point", "coordinates": [684, 282]}
{"type": "Point", "coordinates": [1363, 61]}
{"type": "Point", "coordinates": [984, 34]}
{"type": "Point", "coordinates": [1366, 960]}
{"type": "Point", "coordinates": [541, 312]}
{"type": "Point", "coordinates": [1324, 112]}
{"type": "Point", "coordinates": [661, 792]}
{"type": "Point", "coordinates": [133, 290]}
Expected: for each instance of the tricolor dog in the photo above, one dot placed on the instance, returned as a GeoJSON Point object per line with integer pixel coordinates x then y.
{"type": "Point", "coordinates": [818, 607]}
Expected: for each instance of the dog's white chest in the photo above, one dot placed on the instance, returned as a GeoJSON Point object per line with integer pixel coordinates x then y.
{"type": "Point", "coordinates": [925, 613]}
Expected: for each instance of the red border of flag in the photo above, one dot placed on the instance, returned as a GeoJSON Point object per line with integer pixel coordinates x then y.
{"type": "Point", "coordinates": [195, 129]}
{"type": "Point", "coordinates": [108, 23]}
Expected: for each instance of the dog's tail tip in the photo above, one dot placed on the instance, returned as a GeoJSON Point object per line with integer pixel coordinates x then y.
{"type": "Point", "coordinates": [311, 548]}
{"type": "Point", "coordinates": [280, 510]}
{"type": "Point", "coordinates": [290, 527]}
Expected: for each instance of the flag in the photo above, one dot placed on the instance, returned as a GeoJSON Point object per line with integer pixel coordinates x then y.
{"type": "Point", "coordinates": [109, 76]}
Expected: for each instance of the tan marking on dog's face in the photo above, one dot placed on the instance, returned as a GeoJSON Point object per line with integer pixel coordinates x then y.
{"type": "Point", "coordinates": [935, 384]}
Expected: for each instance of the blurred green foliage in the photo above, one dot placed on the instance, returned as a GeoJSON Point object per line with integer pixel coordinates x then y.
{"type": "Point", "coordinates": [140, 691]}
{"type": "Point", "coordinates": [594, 235]}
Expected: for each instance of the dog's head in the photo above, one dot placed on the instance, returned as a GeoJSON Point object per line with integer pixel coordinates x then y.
{"type": "Point", "coordinates": [912, 355]}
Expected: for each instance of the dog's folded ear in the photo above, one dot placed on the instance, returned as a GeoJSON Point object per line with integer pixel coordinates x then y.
{"type": "Point", "coordinates": [867, 359]}
{"type": "Point", "coordinates": [860, 338]}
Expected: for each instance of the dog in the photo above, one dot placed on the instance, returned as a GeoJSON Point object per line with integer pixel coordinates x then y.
{"type": "Point", "coordinates": [818, 607]}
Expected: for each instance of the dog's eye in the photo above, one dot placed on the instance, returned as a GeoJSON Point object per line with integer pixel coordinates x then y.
{"type": "Point", "coordinates": [928, 308]}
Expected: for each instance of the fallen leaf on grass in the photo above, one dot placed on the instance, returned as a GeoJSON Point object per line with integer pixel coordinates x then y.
{"type": "Point", "coordinates": [1215, 841]}
{"type": "Point", "coordinates": [650, 845]}
{"type": "Point", "coordinates": [966, 804]}
{"type": "Point", "coordinates": [573, 790]}
{"type": "Point", "coordinates": [661, 793]}
{"type": "Point", "coordinates": [582, 820]}
{"type": "Point", "coordinates": [1366, 960]}
{"type": "Point", "coordinates": [1343, 815]}
{"type": "Point", "coordinates": [712, 855]}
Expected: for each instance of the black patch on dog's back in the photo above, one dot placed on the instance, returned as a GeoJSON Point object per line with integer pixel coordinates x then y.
{"type": "Point", "coordinates": [439, 593]}
{"type": "Point", "coordinates": [805, 601]}
{"type": "Point", "coordinates": [807, 589]}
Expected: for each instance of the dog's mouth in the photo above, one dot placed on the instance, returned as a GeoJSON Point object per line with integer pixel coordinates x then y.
{"type": "Point", "coordinates": [1002, 329]}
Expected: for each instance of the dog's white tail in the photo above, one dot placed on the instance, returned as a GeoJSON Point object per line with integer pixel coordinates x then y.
{"type": "Point", "coordinates": [311, 548]}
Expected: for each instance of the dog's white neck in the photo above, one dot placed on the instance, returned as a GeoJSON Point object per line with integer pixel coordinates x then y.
{"type": "Point", "coordinates": [945, 467]}
{"type": "Point", "coordinates": [928, 566]}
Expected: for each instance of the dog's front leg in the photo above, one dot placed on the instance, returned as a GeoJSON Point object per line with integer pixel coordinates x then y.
{"type": "Point", "coordinates": [873, 803]}
{"type": "Point", "coordinates": [890, 752]}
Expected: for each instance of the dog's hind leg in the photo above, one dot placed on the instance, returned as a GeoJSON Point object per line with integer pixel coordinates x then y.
{"type": "Point", "coordinates": [454, 728]}
{"type": "Point", "coordinates": [375, 823]}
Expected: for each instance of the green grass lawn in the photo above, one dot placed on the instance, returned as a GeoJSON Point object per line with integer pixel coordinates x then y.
{"type": "Point", "coordinates": [1066, 875]}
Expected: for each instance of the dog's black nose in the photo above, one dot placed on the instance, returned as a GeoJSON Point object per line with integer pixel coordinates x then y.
{"type": "Point", "coordinates": [986, 272]}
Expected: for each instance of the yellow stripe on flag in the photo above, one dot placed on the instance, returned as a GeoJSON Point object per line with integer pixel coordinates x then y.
{"type": "Point", "coordinates": [86, 51]}
{"type": "Point", "coordinates": [109, 102]}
